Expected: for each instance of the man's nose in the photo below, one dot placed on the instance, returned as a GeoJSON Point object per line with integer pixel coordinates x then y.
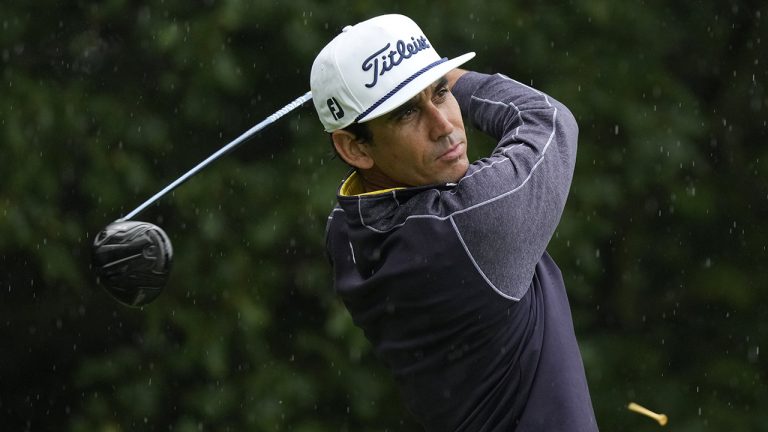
{"type": "Point", "coordinates": [440, 125]}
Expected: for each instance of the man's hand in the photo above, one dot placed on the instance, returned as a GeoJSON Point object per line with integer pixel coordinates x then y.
{"type": "Point", "coordinates": [453, 76]}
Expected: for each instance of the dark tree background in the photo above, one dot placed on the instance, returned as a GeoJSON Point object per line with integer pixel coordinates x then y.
{"type": "Point", "coordinates": [663, 241]}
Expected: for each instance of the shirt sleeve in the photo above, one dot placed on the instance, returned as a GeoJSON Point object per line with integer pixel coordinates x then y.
{"type": "Point", "coordinates": [507, 207]}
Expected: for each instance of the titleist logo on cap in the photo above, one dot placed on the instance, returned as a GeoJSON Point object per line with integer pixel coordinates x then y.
{"type": "Point", "coordinates": [391, 60]}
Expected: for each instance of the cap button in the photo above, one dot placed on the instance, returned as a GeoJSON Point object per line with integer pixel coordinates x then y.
{"type": "Point", "coordinates": [346, 28]}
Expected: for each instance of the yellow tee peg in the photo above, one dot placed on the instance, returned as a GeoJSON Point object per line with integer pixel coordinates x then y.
{"type": "Point", "coordinates": [661, 418]}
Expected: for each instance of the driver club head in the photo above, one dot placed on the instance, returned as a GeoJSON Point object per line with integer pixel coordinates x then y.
{"type": "Point", "coordinates": [132, 261]}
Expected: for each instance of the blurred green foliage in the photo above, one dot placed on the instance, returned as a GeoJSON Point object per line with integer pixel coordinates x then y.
{"type": "Point", "coordinates": [662, 243]}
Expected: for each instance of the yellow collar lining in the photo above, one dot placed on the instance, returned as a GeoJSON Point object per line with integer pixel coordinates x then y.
{"type": "Point", "coordinates": [352, 186]}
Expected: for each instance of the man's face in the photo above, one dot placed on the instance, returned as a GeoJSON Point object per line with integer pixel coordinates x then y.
{"type": "Point", "coordinates": [421, 142]}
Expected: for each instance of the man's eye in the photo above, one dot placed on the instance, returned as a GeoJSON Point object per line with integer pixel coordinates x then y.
{"type": "Point", "coordinates": [441, 93]}
{"type": "Point", "coordinates": [406, 113]}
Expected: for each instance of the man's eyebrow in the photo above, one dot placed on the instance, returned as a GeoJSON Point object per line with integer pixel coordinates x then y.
{"type": "Point", "coordinates": [440, 83]}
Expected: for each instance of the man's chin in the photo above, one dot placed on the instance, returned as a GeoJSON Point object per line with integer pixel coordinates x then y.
{"type": "Point", "coordinates": [457, 170]}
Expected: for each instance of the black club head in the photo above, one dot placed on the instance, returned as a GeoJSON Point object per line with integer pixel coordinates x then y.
{"type": "Point", "coordinates": [132, 261]}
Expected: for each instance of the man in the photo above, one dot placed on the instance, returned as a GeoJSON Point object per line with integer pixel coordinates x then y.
{"type": "Point", "coordinates": [441, 262]}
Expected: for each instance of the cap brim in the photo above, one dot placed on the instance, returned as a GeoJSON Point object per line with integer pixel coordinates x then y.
{"type": "Point", "coordinates": [414, 86]}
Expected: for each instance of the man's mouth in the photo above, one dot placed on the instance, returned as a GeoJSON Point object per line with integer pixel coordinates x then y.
{"type": "Point", "coordinates": [455, 151]}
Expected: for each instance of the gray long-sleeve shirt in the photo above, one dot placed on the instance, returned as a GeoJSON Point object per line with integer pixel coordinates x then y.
{"type": "Point", "coordinates": [452, 285]}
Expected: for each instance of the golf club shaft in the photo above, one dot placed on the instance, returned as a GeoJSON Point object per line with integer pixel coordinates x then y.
{"type": "Point", "coordinates": [237, 141]}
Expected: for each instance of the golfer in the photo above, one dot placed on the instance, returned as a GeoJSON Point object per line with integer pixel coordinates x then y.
{"type": "Point", "coordinates": [443, 262]}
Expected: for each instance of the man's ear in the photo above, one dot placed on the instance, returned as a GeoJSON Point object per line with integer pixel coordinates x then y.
{"type": "Point", "coordinates": [353, 150]}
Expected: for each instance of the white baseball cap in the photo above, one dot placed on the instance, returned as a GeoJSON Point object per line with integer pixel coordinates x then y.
{"type": "Point", "coordinates": [372, 68]}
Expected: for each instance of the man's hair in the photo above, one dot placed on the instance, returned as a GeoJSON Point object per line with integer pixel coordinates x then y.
{"type": "Point", "coordinates": [361, 131]}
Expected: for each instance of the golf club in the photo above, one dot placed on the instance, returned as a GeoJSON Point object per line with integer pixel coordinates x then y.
{"type": "Point", "coordinates": [132, 259]}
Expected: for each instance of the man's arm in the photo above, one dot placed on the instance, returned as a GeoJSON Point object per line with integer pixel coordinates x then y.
{"type": "Point", "coordinates": [507, 207]}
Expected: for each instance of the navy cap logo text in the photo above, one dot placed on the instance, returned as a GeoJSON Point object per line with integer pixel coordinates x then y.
{"type": "Point", "coordinates": [392, 59]}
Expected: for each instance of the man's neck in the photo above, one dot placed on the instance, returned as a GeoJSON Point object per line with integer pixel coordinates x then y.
{"type": "Point", "coordinates": [373, 180]}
